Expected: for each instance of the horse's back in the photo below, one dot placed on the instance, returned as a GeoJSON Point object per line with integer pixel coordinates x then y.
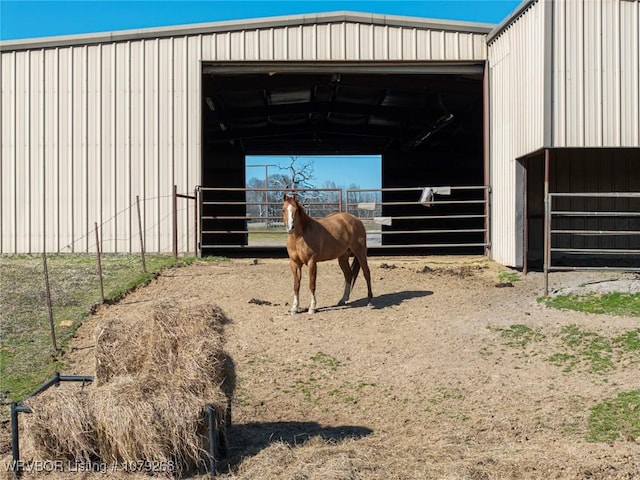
{"type": "Point", "coordinates": [345, 227]}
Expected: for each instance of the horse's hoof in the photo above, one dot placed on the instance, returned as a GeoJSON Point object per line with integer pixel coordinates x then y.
{"type": "Point", "coordinates": [311, 311]}
{"type": "Point", "coordinates": [341, 303]}
{"type": "Point", "coordinates": [370, 305]}
{"type": "Point", "coordinates": [293, 312]}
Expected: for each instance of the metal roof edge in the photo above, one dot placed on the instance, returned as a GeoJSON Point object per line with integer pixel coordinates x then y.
{"type": "Point", "coordinates": [509, 20]}
{"type": "Point", "coordinates": [247, 24]}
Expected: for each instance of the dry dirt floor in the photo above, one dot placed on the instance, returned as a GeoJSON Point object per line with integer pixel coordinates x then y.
{"type": "Point", "coordinates": [425, 385]}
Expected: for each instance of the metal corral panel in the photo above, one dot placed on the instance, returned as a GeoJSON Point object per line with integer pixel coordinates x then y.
{"type": "Point", "coordinates": [90, 122]}
{"type": "Point", "coordinates": [517, 121]}
{"type": "Point", "coordinates": [596, 73]}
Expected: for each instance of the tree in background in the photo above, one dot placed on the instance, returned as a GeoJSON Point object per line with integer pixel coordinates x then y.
{"type": "Point", "coordinates": [299, 175]}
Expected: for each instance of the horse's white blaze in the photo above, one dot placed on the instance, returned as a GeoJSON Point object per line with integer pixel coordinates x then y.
{"type": "Point", "coordinates": [289, 218]}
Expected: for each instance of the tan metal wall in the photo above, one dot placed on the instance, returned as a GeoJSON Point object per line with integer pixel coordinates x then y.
{"type": "Point", "coordinates": [562, 73]}
{"type": "Point", "coordinates": [90, 122]}
{"type": "Point", "coordinates": [516, 61]}
{"type": "Point", "coordinates": [596, 88]}
{"type": "Point", "coordinates": [85, 130]}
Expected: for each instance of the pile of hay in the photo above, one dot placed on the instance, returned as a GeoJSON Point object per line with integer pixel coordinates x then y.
{"type": "Point", "coordinates": [155, 376]}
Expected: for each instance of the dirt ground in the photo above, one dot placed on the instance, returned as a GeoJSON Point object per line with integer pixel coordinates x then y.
{"type": "Point", "coordinates": [422, 386]}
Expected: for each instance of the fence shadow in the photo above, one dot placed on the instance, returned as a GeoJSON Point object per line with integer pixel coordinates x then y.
{"type": "Point", "coordinates": [249, 439]}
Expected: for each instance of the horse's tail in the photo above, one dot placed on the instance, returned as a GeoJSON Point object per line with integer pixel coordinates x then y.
{"type": "Point", "coordinates": [355, 269]}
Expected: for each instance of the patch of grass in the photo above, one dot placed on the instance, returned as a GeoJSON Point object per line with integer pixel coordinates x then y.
{"type": "Point", "coordinates": [326, 360]}
{"type": "Point", "coordinates": [214, 258]}
{"type": "Point", "coordinates": [619, 304]}
{"type": "Point", "coordinates": [616, 418]}
{"type": "Point", "coordinates": [565, 360]}
{"type": "Point", "coordinates": [508, 276]}
{"type": "Point", "coordinates": [27, 357]}
{"type": "Point", "coordinates": [628, 341]}
{"type": "Point", "coordinates": [518, 335]}
{"type": "Point", "coordinates": [600, 354]}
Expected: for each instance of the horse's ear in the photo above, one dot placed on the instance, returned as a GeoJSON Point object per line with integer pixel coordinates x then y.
{"type": "Point", "coordinates": [284, 196]}
{"type": "Point", "coordinates": [295, 198]}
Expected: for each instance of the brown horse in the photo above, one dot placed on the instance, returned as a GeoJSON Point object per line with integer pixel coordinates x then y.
{"type": "Point", "coordinates": [313, 240]}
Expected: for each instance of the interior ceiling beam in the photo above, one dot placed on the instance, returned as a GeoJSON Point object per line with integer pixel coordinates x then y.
{"type": "Point", "coordinates": [409, 83]}
{"type": "Point", "coordinates": [240, 83]}
{"type": "Point", "coordinates": [323, 108]}
{"type": "Point", "coordinates": [317, 130]}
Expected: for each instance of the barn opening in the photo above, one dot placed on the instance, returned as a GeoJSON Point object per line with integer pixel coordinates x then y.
{"type": "Point", "coordinates": [324, 184]}
{"type": "Point", "coordinates": [425, 121]}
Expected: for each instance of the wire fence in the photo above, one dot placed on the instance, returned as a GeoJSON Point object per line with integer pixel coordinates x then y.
{"type": "Point", "coordinates": [44, 297]}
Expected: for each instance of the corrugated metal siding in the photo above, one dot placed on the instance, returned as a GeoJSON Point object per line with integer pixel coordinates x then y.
{"type": "Point", "coordinates": [343, 41]}
{"type": "Point", "coordinates": [87, 128]}
{"type": "Point", "coordinates": [596, 73]}
{"type": "Point", "coordinates": [516, 96]}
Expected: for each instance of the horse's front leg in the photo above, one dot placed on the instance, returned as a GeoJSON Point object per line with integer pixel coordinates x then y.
{"type": "Point", "coordinates": [313, 270]}
{"type": "Point", "coordinates": [343, 261]}
{"type": "Point", "coordinates": [296, 270]}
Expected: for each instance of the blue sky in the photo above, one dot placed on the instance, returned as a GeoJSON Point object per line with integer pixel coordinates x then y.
{"type": "Point", "coordinates": [20, 19]}
{"type": "Point", "coordinates": [28, 18]}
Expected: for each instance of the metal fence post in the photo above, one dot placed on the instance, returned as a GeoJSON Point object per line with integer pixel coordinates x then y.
{"type": "Point", "coordinates": [144, 263]}
{"type": "Point", "coordinates": [99, 259]}
{"type": "Point", "coordinates": [213, 437]}
{"type": "Point", "coordinates": [49, 303]}
{"type": "Point", "coordinates": [175, 223]}
{"type": "Point", "coordinates": [15, 440]}
{"type": "Point", "coordinates": [547, 224]}
{"type": "Point", "coordinates": [195, 222]}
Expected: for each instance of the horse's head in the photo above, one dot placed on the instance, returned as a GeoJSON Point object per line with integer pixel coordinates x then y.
{"type": "Point", "coordinates": [290, 212]}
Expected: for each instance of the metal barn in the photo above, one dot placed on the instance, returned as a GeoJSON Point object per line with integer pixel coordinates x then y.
{"type": "Point", "coordinates": [547, 101]}
{"type": "Point", "coordinates": [564, 91]}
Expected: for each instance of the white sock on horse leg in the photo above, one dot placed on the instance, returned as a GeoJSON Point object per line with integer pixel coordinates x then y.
{"type": "Point", "coordinates": [312, 306]}
{"type": "Point", "coordinates": [345, 295]}
{"type": "Point", "coordinates": [294, 307]}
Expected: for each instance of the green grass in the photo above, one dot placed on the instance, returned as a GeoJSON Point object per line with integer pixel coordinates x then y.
{"type": "Point", "coordinates": [326, 360]}
{"type": "Point", "coordinates": [27, 356]}
{"type": "Point", "coordinates": [616, 418]}
{"type": "Point", "coordinates": [596, 353]}
{"type": "Point", "coordinates": [508, 276]}
{"type": "Point", "coordinates": [619, 304]}
{"type": "Point", "coordinates": [518, 335]}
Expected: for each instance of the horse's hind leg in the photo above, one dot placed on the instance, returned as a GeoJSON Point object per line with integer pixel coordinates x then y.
{"type": "Point", "coordinates": [361, 255]}
{"type": "Point", "coordinates": [346, 271]}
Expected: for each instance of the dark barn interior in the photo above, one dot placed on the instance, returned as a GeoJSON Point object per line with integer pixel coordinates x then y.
{"type": "Point", "coordinates": [584, 170]}
{"type": "Point", "coordinates": [426, 122]}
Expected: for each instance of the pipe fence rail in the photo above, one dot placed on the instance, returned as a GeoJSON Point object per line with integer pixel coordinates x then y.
{"type": "Point", "coordinates": [19, 407]}
{"type": "Point", "coordinates": [216, 448]}
{"type": "Point", "coordinates": [414, 217]}
{"type": "Point", "coordinates": [591, 231]}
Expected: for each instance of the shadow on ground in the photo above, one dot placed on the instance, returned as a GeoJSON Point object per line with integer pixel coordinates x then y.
{"type": "Point", "coordinates": [381, 301]}
{"type": "Point", "coordinates": [247, 440]}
